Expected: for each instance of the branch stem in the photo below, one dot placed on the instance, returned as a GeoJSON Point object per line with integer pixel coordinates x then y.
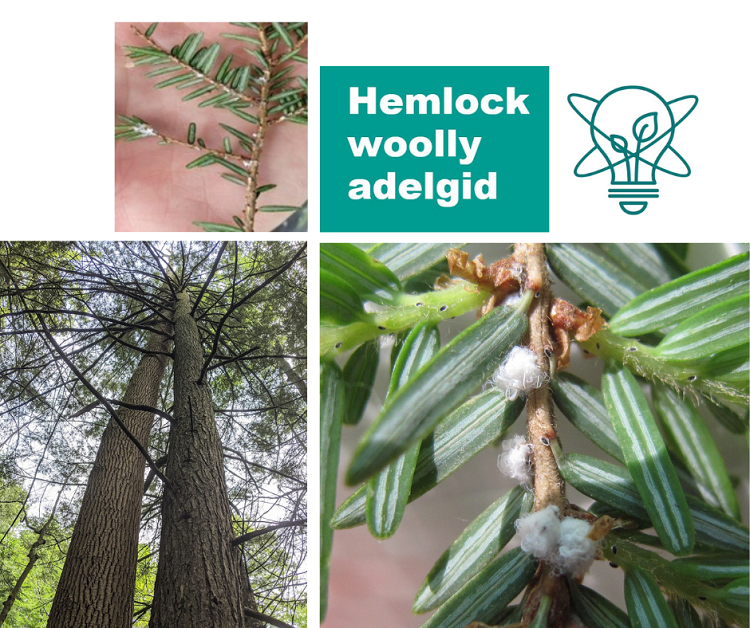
{"type": "Point", "coordinates": [242, 159]}
{"type": "Point", "coordinates": [256, 533]}
{"type": "Point", "coordinates": [549, 488]}
{"type": "Point", "coordinates": [251, 191]}
{"type": "Point", "coordinates": [541, 431]}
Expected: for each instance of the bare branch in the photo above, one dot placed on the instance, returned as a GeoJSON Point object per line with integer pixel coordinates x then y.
{"type": "Point", "coordinates": [284, 524]}
{"type": "Point", "coordinates": [267, 618]}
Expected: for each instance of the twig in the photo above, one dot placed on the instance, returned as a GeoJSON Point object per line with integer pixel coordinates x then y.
{"type": "Point", "coordinates": [241, 458]}
{"type": "Point", "coordinates": [276, 272]}
{"type": "Point", "coordinates": [267, 618]}
{"type": "Point", "coordinates": [251, 535]}
{"type": "Point", "coordinates": [251, 191]}
{"type": "Point", "coordinates": [103, 401]}
{"type": "Point", "coordinates": [281, 118]}
{"type": "Point", "coordinates": [138, 406]}
{"type": "Point", "coordinates": [211, 274]}
{"type": "Point", "coordinates": [203, 149]}
{"type": "Point", "coordinates": [549, 488]}
{"type": "Point", "coordinates": [150, 478]}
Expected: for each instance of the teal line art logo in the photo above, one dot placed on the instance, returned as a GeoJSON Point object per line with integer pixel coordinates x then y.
{"type": "Point", "coordinates": [632, 129]}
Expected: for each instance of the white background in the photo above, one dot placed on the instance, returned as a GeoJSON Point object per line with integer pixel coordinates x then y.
{"type": "Point", "coordinates": [57, 95]}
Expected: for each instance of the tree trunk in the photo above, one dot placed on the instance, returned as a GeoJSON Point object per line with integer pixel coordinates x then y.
{"type": "Point", "coordinates": [97, 583]}
{"type": "Point", "coordinates": [201, 580]}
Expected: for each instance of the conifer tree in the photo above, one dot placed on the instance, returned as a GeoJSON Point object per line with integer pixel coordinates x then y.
{"type": "Point", "coordinates": [77, 327]}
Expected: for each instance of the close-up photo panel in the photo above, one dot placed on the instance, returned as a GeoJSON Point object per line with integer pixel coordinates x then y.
{"type": "Point", "coordinates": [511, 432]}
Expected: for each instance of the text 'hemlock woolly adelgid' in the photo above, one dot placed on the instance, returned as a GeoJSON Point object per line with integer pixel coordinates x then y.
{"type": "Point", "coordinates": [403, 147]}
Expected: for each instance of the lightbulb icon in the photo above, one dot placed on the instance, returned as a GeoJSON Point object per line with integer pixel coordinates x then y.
{"type": "Point", "coordinates": [632, 129]}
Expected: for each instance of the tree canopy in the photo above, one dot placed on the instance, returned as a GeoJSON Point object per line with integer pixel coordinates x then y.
{"type": "Point", "coordinates": [75, 321]}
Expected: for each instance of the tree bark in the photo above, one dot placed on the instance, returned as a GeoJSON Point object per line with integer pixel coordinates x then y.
{"type": "Point", "coordinates": [97, 584]}
{"type": "Point", "coordinates": [201, 580]}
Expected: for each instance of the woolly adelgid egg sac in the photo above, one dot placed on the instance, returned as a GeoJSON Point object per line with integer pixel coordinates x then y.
{"type": "Point", "coordinates": [566, 543]}
{"type": "Point", "coordinates": [519, 373]}
{"type": "Point", "coordinates": [515, 460]}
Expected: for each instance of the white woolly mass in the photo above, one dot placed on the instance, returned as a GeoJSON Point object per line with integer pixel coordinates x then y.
{"type": "Point", "coordinates": [515, 461]}
{"type": "Point", "coordinates": [577, 551]}
{"type": "Point", "coordinates": [539, 532]}
{"type": "Point", "coordinates": [144, 130]}
{"type": "Point", "coordinates": [519, 373]}
{"type": "Point", "coordinates": [564, 544]}
{"type": "Point", "coordinates": [511, 300]}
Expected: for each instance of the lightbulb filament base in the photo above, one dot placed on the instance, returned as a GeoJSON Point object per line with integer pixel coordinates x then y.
{"type": "Point", "coordinates": [636, 192]}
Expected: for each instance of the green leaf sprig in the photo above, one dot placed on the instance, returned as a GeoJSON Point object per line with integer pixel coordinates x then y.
{"type": "Point", "coordinates": [261, 91]}
{"type": "Point", "coordinates": [675, 339]}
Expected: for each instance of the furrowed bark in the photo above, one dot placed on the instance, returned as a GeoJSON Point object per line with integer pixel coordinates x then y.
{"type": "Point", "coordinates": [97, 583]}
{"type": "Point", "coordinates": [201, 580]}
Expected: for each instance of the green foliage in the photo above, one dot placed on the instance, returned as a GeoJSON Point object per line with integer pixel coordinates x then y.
{"type": "Point", "coordinates": [145, 577]}
{"type": "Point", "coordinates": [32, 605]}
{"type": "Point", "coordinates": [359, 374]}
{"type": "Point", "coordinates": [331, 420]}
{"type": "Point", "coordinates": [646, 604]}
{"type": "Point", "coordinates": [647, 459]}
{"type": "Point", "coordinates": [296, 222]}
{"type": "Point", "coordinates": [408, 260]}
{"type": "Point", "coordinates": [677, 340]}
{"type": "Point", "coordinates": [270, 558]}
{"type": "Point", "coordinates": [677, 300]}
{"type": "Point", "coordinates": [593, 277]}
{"type": "Point", "coordinates": [466, 431]}
{"type": "Point", "coordinates": [613, 485]}
{"type": "Point", "coordinates": [692, 443]}
{"type": "Point", "coordinates": [215, 226]}
{"type": "Point", "coordinates": [440, 386]}
{"type": "Point", "coordinates": [482, 540]}
{"type": "Point", "coordinates": [486, 595]}
{"type": "Point", "coordinates": [596, 610]}
{"type": "Point", "coordinates": [388, 491]}
{"type": "Point", "coordinates": [262, 82]}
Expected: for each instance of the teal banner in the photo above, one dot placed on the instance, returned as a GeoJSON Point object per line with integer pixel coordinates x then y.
{"type": "Point", "coordinates": [434, 149]}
